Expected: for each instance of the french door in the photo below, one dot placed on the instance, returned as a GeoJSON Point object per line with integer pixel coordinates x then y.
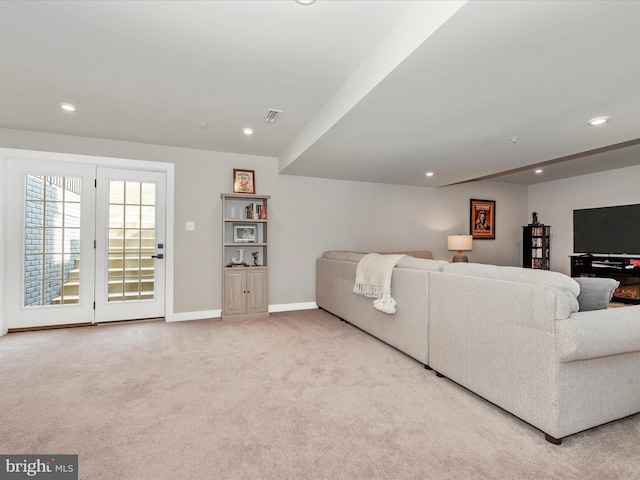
{"type": "Point", "coordinates": [81, 250]}
{"type": "Point", "coordinates": [50, 244]}
{"type": "Point", "coordinates": [130, 228]}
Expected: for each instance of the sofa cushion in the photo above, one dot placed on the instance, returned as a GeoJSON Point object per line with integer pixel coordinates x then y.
{"type": "Point", "coordinates": [566, 288]}
{"type": "Point", "coordinates": [417, 254]}
{"type": "Point", "coordinates": [421, 264]}
{"type": "Point", "coordinates": [598, 333]}
{"type": "Point", "coordinates": [343, 255]}
{"type": "Point", "coordinates": [595, 293]}
{"type": "Point", "coordinates": [350, 256]}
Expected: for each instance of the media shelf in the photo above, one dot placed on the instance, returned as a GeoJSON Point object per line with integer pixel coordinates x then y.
{"type": "Point", "coordinates": [536, 246]}
{"type": "Point", "coordinates": [624, 269]}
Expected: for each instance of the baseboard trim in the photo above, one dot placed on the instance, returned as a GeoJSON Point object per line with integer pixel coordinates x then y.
{"type": "Point", "coordinates": [50, 327]}
{"type": "Point", "coordinates": [186, 316]}
{"type": "Point", "coordinates": [289, 307]}
{"type": "Point", "coordinates": [283, 307]}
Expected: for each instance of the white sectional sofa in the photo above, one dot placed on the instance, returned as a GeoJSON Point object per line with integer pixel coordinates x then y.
{"type": "Point", "coordinates": [407, 329]}
{"type": "Point", "coordinates": [516, 338]}
{"type": "Point", "coordinates": [513, 336]}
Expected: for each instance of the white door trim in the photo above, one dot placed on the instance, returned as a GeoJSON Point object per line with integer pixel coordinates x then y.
{"type": "Point", "coordinates": [6, 229]}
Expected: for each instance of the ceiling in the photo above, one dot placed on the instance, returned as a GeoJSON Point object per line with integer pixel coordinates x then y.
{"type": "Point", "coordinates": [375, 91]}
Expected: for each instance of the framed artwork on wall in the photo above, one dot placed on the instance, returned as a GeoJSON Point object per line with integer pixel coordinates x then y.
{"type": "Point", "coordinates": [244, 181]}
{"type": "Point", "coordinates": [482, 221]}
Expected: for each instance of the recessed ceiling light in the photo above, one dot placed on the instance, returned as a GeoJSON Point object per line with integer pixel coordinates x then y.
{"type": "Point", "coordinates": [306, 2]}
{"type": "Point", "coordinates": [68, 107]}
{"type": "Point", "coordinates": [598, 121]}
{"type": "Point", "coordinates": [429, 174]}
{"type": "Point", "coordinates": [247, 131]}
{"type": "Point", "coordinates": [538, 170]}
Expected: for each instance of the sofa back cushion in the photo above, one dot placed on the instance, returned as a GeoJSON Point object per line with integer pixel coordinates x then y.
{"type": "Point", "coordinates": [414, 253]}
{"type": "Point", "coordinates": [343, 255]}
{"type": "Point", "coordinates": [566, 288]}
{"type": "Point", "coordinates": [349, 256]}
{"type": "Point", "coordinates": [421, 264]}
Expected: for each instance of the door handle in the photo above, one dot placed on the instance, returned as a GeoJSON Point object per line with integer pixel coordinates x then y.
{"type": "Point", "coordinates": [160, 256]}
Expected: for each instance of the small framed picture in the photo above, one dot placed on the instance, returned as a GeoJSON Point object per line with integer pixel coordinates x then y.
{"type": "Point", "coordinates": [244, 181]}
{"type": "Point", "coordinates": [245, 233]}
{"type": "Point", "coordinates": [483, 219]}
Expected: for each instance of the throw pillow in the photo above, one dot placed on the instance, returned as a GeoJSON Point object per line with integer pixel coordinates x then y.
{"type": "Point", "coordinates": [595, 293]}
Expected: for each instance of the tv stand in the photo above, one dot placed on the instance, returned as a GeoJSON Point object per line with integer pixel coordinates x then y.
{"type": "Point", "coordinates": [624, 269]}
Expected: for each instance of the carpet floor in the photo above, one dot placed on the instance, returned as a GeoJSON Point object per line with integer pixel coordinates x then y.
{"type": "Point", "coordinates": [299, 395]}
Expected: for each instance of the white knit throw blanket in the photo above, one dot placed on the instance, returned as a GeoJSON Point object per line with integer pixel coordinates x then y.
{"type": "Point", "coordinates": [373, 280]}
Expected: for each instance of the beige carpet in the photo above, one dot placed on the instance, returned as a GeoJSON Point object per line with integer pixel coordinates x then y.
{"type": "Point", "coordinates": [300, 395]}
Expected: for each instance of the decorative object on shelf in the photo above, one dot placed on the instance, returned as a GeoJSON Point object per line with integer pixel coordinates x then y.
{"type": "Point", "coordinates": [240, 260]}
{"type": "Point", "coordinates": [255, 258]}
{"type": "Point", "coordinates": [244, 181]}
{"type": "Point", "coordinates": [482, 222]}
{"type": "Point", "coordinates": [460, 243]}
{"type": "Point", "coordinates": [534, 221]}
{"type": "Point", "coordinates": [245, 233]}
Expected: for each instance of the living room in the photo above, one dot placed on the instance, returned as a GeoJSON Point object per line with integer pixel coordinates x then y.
{"type": "Point", "coordinates": [308, 215]}
{"type": "Point", "coordinates": [315, 215]}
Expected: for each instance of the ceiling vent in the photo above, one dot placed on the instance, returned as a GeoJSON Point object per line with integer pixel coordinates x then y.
{"type": "Point", "coordinates": [272, 115]}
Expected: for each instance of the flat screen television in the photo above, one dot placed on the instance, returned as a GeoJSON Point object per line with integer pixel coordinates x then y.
{"type": "Point", "coordinates": [607, 230]}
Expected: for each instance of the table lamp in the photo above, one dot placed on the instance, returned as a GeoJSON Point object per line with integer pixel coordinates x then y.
{"type": "Point", "coordinates": [460, 243]}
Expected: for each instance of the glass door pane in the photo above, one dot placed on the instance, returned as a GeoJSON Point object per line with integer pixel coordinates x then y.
{"type": "Point", "coordinates": [132, 207]}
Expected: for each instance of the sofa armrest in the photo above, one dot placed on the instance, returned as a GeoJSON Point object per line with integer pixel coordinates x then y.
{"type": "Point", "coordinates": [598, 333]}
{"type": "Point", "coordinates": [488, 335]}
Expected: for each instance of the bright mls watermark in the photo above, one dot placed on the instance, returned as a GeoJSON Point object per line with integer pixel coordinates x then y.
{"type": "Point", "coordinates": [48, 467]}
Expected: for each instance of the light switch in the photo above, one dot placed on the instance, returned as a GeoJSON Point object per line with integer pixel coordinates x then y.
{"type": "Point", "coordinates": [190, 226]}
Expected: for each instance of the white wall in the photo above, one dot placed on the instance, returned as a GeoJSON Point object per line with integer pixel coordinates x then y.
{"type": "Point", "coordinates": [306, 216]}
{"type": "Point", "coordinates": [555, 202]}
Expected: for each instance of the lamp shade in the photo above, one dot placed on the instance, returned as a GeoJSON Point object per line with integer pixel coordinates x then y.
{"type": "Point", "coordinates": [459, 242]}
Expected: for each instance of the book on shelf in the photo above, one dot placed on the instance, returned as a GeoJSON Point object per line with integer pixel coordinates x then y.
{"type": "Point", "coordinates": [256, 211]}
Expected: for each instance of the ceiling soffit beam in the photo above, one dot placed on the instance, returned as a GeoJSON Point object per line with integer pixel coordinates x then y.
{"type": "Point", "coordinates": [420, 22]}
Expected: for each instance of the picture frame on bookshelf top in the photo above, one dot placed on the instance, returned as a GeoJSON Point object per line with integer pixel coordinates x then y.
{"type": "Point", "coordinates": [244, 181]}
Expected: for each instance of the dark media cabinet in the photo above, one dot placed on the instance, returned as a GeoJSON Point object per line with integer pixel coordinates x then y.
{"type": "Point", "coordinates": [535, 246]}
{"type": "Point", "coordinates": [624, 269]}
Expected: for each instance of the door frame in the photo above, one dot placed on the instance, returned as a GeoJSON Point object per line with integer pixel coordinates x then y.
{"type": "Point", "coordinates": [7, 229]}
